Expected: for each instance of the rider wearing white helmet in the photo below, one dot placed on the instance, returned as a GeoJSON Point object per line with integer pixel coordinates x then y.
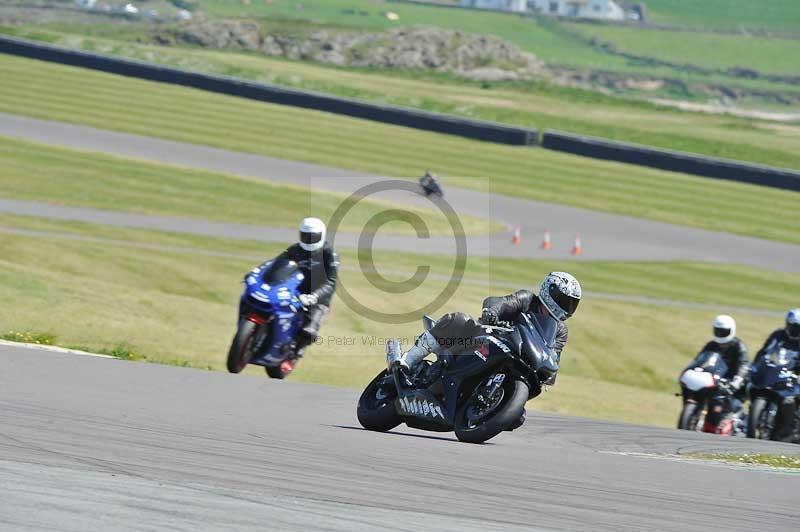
{"type": "Point", "coordinates": [732, 349]}
{"type": "Point", "coordinates": [319, 264]}
{"type": "Point", "coordinates": [734, 352]}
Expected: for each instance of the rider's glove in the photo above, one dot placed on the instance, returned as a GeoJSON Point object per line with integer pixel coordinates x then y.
{"type": "Point", "coordinates": [489, 316]}
{"type": "Point", "coordinates": [307, 300]}
{"type": "Point", "coordinates": [736, 382]}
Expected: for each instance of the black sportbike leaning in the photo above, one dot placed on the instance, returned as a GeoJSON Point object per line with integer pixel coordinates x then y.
{"type": "Point", "coordinates": [773, 381]}
{"type": "Point", "coordinates": [478, 392]}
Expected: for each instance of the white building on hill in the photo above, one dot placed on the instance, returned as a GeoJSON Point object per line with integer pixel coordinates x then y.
{"type": "Point", "coordinates": [598, 9]}
{"type": "Point", "coordinates": [519, 6]}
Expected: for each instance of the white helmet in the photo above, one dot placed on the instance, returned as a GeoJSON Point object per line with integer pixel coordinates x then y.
{"type": "Point", "coordinates": [560, 292]}
{"type": "Point", "coordinates": [724, 329]}
{"type": "Point", "coordinates": [793, 323]}
{"type": "Point", "coordinates": [312, 234]}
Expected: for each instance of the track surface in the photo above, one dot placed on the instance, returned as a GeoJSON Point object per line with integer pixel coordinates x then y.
{"type": "Point", "coordinates": [605, 236]}
{"type": "Point", "coordinates": [100, 444]}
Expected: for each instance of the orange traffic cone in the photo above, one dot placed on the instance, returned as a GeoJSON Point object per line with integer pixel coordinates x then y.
{"type": "Point", "coordinates": [516, 239]}
{"type": "Point", "coordinates": [577, 248]}
{"type": "Point", "coordinates": [546, 244]}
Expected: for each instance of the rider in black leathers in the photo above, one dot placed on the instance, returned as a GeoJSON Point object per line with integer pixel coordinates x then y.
{"type": "Point", "coordinates": [734, 352]}
{"type": "Point", "coordinates": [789, 338]}
{"type": "Point", "coordinates": [319, 264]}
{"type": "Point", "coordinates": [559, 295]}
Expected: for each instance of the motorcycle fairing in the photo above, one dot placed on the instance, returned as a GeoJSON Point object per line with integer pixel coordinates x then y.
{"type": "Point", "coordinates": [271, 291]}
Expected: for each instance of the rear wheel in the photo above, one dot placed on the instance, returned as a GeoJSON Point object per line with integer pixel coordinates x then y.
{"type": "Point", "coordinates": [491, 409]}
{"type": "Point", "coordinates": [689, 416]}
{"type": "Point", "coordinates": [758, 420]}
{"type": "Point", "coordinates": [240, 352]}
{"type": "Point", "coordinates": [376, 410]}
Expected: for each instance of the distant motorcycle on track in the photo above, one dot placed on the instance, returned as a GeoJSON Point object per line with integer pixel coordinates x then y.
{"type": "Point", "coordinates": [702, 384]}
{"type": "Point", "coordinates": [269, 319]}
{"type": "Point", "coordinates": [773, 381]}
{"type": "Point", "coordinates": [430, 186]}
{"type": "Point", "coordinates": [478, 393]}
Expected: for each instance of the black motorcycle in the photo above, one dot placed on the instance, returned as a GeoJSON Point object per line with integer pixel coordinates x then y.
{"type": "Point", "coordinates": [773, 381]}
{"type": "Point", "coordinates": [430, 186]}
{"type": "Point", "coordinates": [478, 392]}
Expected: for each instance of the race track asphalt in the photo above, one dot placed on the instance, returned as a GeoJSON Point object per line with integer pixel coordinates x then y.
{"type": "Point", "coordinates": [101, 444]}
{"type": "Point", "coordinates": [604, 236]}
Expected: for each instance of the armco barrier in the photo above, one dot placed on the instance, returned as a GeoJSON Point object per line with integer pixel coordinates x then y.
{"type": "Point", "coordinates": [673, 161]}
{"type": "Point", "coordinates": [464, 127]}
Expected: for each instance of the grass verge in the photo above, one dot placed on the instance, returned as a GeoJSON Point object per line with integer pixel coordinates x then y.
{"type": "Point", "coordinates": [74, 95]}
{"type": "Point", "coordinates": [771, 460]}
{"type": "Point", "coordinates": [34, 171]}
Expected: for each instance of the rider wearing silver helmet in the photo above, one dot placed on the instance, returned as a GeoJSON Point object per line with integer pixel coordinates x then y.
{"type": "Point", "coordinates": [787, 337]}
{"type": "Point", "coordinates": [559, 295]}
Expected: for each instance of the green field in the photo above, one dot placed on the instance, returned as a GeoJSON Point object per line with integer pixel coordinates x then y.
{"type": "Point", "coordinates": [33, 171]}
{"type": "Point", "coordinates": [186, 314]}
{"type": "Point", "coordinates": [734, 15]}
{"type": "Point", "coordinates": [706, 50]}
{"type": "Point", "coordinates": [548, 38]}
{"type": "Point", "coordinates": [74, 95]}
{"type": "Point", "coordinates": [537, 105]}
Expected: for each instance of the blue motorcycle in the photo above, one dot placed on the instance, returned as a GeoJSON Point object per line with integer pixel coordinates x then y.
{"type": "Point", "coordinates": [269, 318]}
{"type": "Point", "coordinates": [772, 382]}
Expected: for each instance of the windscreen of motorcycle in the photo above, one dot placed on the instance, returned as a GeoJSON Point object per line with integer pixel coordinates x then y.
{"type": "Point", "coordinates": [710, 361]}
{"type": "Point", "coordinates": [783, 357]}
{"type": "Point", "coordinates": [279, 271]}
{"type": "Point", "coordinates": [697, 380]}
{"type": "Point", "coordinates": [546, 326]}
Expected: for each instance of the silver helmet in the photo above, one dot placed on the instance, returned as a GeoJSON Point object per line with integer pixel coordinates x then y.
{"type": "Point", "coordinates": [793, 323]}
{"type": "Point", "coordinates": [560, 293]}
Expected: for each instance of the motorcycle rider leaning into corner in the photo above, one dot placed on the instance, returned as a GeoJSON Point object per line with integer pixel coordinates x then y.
{"type": "Point", "coordinates": [319, 264]}
{"type": "Point", "coordinates": [559, 295]}
{"type": "Point", "coordinates": [734, 352]}
{"type": "Point", "coordinates": [788, 337]}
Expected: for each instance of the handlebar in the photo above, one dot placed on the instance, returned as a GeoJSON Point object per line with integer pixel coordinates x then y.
{"type": "Point", "coordinates": [502, 326]}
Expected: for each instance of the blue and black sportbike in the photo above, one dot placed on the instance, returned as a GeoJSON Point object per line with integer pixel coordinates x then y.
{"type": "Point", "coordinates": [772, 382]}
{"type": "Point", "coordinates": [270, 315]}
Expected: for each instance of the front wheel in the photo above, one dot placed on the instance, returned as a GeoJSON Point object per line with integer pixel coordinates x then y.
{"type": "Point", "coordinates": [688, 419]}
{"type": "Point", "coordinates": [240, 352]}
{"type": "Point", "coordinates": [376, 410]}
{"type": "Point", "coordinates": [491, 409]}
{"type": "Point", "coordinates": [757, 421]}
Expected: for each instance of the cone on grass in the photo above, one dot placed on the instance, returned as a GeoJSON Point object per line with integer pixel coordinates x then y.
{"type": "Point", "coordinates": [516, 239]}
{"type": "Point", "coordinates": [577, 247]}
{"type": "Point", "coordinates": [546, 244]}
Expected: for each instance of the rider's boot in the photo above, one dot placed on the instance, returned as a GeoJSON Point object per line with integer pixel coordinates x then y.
{"type": "Point", "coordinates": [409, 361]}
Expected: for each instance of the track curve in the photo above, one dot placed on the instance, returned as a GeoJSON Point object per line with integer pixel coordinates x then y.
{"type": "Point", "coordinates": [94, 443]}
{"type": "Point", "coordinates": [605, 236]}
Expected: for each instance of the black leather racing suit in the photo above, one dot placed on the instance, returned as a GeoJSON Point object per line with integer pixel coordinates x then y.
{"type": "Point", "coordinates": [734, 353]}
{"type": "Point", "coordinates": [320, 269]}
{"type": "Point", "coordinates": [456, 331]}
{"type": "Point", "coordinates": [785, 411]}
